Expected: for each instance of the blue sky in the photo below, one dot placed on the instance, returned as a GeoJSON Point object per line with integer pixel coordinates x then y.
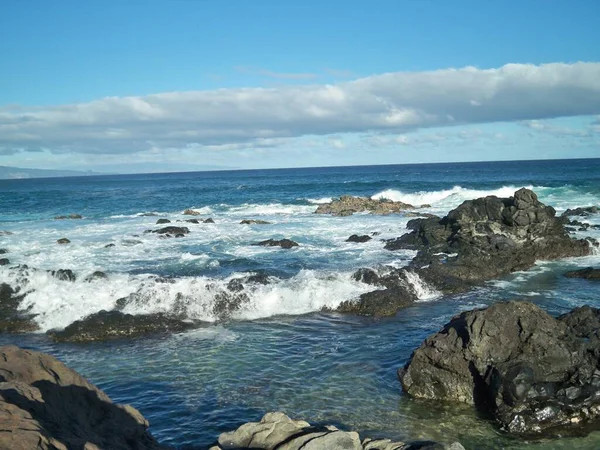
{"type": "Point", "coordinates": [149, 84]}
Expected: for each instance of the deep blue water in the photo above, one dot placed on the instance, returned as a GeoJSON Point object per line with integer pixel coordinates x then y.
{"type": "Point", "coordinates": [279, 352]}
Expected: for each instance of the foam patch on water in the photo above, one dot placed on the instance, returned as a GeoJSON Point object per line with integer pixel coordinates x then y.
{"type": "Point", "coordinates": [424, 291]}
{"type": "Point", "coordinates": [319, 201]}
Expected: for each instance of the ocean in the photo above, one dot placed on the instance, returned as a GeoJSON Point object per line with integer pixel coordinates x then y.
{"type": "Point", "coordinates": [279, 352]}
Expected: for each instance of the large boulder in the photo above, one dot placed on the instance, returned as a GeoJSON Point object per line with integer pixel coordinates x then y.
{"type": "Point", "coordinates": [347, 205]}
{"type": "Point", "coordinates": [277, 431]}
{"type": "Point", "coordinates": [47, 406]}
{"type": "Point", "coordinates": [486, 238]}
{"type": "Point", "coordinates": [105, 325]}
{"type": "Point", "coordinates": [512, 360]}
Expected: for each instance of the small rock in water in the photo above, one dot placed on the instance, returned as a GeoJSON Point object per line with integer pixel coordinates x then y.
{"type": "Point", "coordinates": [161, 221]}
{"type": "Point", "coordinates": [70, 216]}
{"type": "Point", "coordinates": [359, 239]}
{"type": "Point", "coordinates": [589, 273]}
{"type": "Point", "coordinates": [63, 241]}
{"type": "Point", "coordinates": [283, 243]}
{"type": "Point", "coordinates": [254, 222]}
{"type": "Point", "coordinates": [173, 231]}
{"type": "Point", "coordinates": [586, 211]}
{"type": "Point", "coordinates": [191, 212]}
{"type": "Point", "coordinates": [4, 261]}
{"type": "Point", "coordinates": [109, 245]}
{"type": "Point", "coordinates": [196, 221]}
{"type": "Point", "coordinates": [97, 275]}
{"type": "Point", "coordinates": [63, 274]}
{"type": "Point", "coordinates": [3, 251]}
{"type": "Point", "coordinates": [209, 220]}
{"type": "Point", "coordinates": [5, 233]}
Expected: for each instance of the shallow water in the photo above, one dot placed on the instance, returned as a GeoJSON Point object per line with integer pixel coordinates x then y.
{"type": "Point", "coordinates": [279, 353]}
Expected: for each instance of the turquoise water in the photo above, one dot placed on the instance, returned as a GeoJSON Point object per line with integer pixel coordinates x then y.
{"type": "Point", "coordinates": [279, 352]}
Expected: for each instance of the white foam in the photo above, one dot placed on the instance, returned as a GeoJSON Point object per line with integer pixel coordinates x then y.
{"type": "Point", "coordinates": [319, 201]}
{"type": "Point", "coordinates": [423, 290]}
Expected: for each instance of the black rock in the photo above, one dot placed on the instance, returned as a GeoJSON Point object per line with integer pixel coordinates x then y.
{"type": "Point", "coordinates": [383, 302]}
{"type": "Point", "coordinates": [161, 221]}
{"type": "Point", "coordinates": [254, 222]}
{"type": "Point", "coordinates": [587, 211]}
{"type": "Point", "coordinates": [368, 276]}
{"type": "Point", "coordinates": [3, 251]}
{"type": "Point", "coordinates": [4, 261]}
{"type": "Point", "coordinates": [63, 241]}
{"type": "Point", "coordinates": [13, 320]}
{"type": "Point", "coordinates": [109, 245]}
{"type": "Point", "coordinates": [105, 325]}
{"type": "Point", "coordinates": [63, 274]}
{"type": "Point", "coordinates": [70, 216]}
{"type": "Point", "coordinates": [235, 285]}
{"type": "Point", "coordinates": [5, 233]}
{"type": "Point", "coordinates": [196, 221]}
{"type": "Point", "coordinates": [283, 243]}
{"type": "Point", "coordinates": [97, 275]}
{"type": "Point", "coordinates": [359, 239]}
{"type": "Point", "coordinates": [209, 220]}
{"type": "Point", "coordinates": [589, 273]}
{"type": "Point", "coordinates": [175, 231]}
{"type": "Point", "coordinates": [258, 278]}
{"type": "Point", "coordinates": [531, 372]}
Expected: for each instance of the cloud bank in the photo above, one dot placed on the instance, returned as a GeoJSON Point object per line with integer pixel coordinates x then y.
{"type": "Point", "coordinates": [222, 119]}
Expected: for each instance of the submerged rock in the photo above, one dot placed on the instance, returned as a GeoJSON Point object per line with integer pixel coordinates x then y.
{"type": "Point", "coordinates": [63, 241]}
{"type": "Point", "coordinates": [3, 251]}
{"type": "Point", "coordinates": [5, 233]}
{"type": "Point", "coordinates": [47, 406]}
{"type": "Point", "coordinates": [209, 220]}
{"type": "Point", "coordinates": [530, 371]}
{"type": "Point", "coordinates": [161, 221]}
{"type": "Point", "coordinates": [347, 205]}
{"type": "Point", "coordinates": [283, 243]}
{"type": "Point", "coordinates": [70, 216]}
{"type": "Point", "coordinates": [254, 222]}
{"type": "Point", "coordinates": [116, 324]}
{"type": "Point", "coordinates": [63, 274]}
{"type": "Point", "coordinates": [589, 273]}
{"type": "Point", "coordinates": [172, 231]}
{"type": "Point", "coordinates": [97, 275]}
{"type": "Point", "coordinates": [277, 431]}
{"type": "Point", "coordinates": [4, 261]}
{"type": "Point", "coordinates": [359, 239]}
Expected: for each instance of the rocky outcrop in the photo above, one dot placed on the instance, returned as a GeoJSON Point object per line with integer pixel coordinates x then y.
{"type": "Point", "coordinates": [530, 371]}
{"type": "Point", "coordinates": [191, 212]}
{"type": "Point", "coordinates": [347, 205]}
{"type": "Point", "coordinates": [587, 211]}
{"type": "Point", "coordinates": [283, 243]}
{"type": "Point", "coordinates": [277, 431]}
{"type": "Point", "coordinates": [486, 238]}
{"type": "Point", "coordinates": [359, 239]}
{"type": "Point", "coordinates": [63, 274]}
{"type": "Point", "coordinates": [47, 406]}
{"type": "Point", "coordinates": [105, 325]}
{"type": "Point", "coordinates": [589, 273]}
{"type": "Point", "coordinates": [63, 241]}
{"type": "Point", "coordinates": [172, 231]}
{"type": "Point", "coordinates": [12, 319]}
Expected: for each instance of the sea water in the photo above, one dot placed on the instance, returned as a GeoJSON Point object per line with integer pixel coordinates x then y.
{"type": "Point", "coordinates": [279, 352]}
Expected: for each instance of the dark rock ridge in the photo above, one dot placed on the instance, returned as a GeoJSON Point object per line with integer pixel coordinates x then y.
{"type": "Point", "coordinates": [533, 373]}
{"type": "Point", "coordinates": [254, 222]}
{"type": "Point", "coordinates": [359, 239]}
{"type": "Point", "coordinates": [105, 325]}
{"type": "Point", "coordinates": [70, 216]}
{"type": "Point", "coordinates": [13, 320]}
{"type": "Point", "coordinates": [589, 273]}
{"type": "Point", "coordinates": [45, 405]}
{"type": "Point", "coordinates": [283, 243]}
{"type": "Point", "coordinates": [172, 231]}
{"type": "Point", "coordinates": [347, 205]}
{"type": "Point", "coordinates": [5, 233]}
{"type": "Point", "coordinates": [587, 211]}
{"type": "Point", "coordinates": [486, 238]}
{"type": "Point", "coordinates": [277, 431]}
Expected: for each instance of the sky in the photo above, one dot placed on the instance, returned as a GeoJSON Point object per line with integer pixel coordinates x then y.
{"type": "Point", "coordinates": [155, 85]}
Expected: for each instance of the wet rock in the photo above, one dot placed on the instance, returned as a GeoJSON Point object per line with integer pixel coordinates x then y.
{"type": "Point", "coordinates": [63, 241]}
{"type": "Point", "coordinates": [347, 205]}
{"type": "Point", "coordinates": [191, 212]}
{"type": "Point", "coordinates": [63, 274]}
{"type": "Point", "coordinates": [381, 303]}
{"type": "Point", "coordinates": [589, 273]}
{"type": "Point", "coordinates": [258, 278]}
{"type": "Point", "coordinates": [13, 320]}
{"type": "Point", "coordinates": [235, 285]}
{"type": "Point", "coordinates": [148, 214]}
{"type": "Point", "coordinates": [359, 239]}
{"type": "Point", "coordinates": [283, 243]}
{"type": "Point", "coordinates": [172, 231]}
{"type": "Point", "coordinates": [583, 321]}
{"type": "Point", "coordinates": [365, 275]}
{"type": "Point", "coordinates": [277, 431]}
{"type": "Point", "coordinates": [47, 406]}
{"type": "Point", "coordinates": [3, 251]}
{"type": "Point", "coordinates": [254, 222]}
{"type": "Point", "coordinates": [530, 371]}
{"type": "Point", "coordinates": [97, 275]}
{"type": "Point", "coordinates": [130, 242]}
{"type": "Point", "coordinates": [5, 233]}
{"type": "Point", "coordinates": [105, 325]}
{"type": "Point", "coordinates": [196, 221]}
{"type": "Point", "coordinates": [109, 245]}
{"type": "Point", "coordinates": [209, 220]}
{"type": "Point", "coordinates": [70, 216]}
{"type": "Point", "coordinates": [587, 211]}
{"type": "Point", "coordinates": [161, 221]}
{"type": "Point", "coordinates": [4, 261]}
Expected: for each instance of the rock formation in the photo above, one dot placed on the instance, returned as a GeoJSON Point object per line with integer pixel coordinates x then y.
{"type": "Point", "coordinates": [347, 205]}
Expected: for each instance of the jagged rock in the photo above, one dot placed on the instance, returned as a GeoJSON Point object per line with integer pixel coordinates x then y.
{"type": "Point", "coordinates": [587, 211]}
{"type": "Point", "coordinates": [235, 285]}
{"type": "Point", "coordinates": [283, 243]}
{"type": "Point", "coordinates": [161, 221]}
{"type": "Point", "coordinates": [70, 216]}
{"type": "Point", "coordinates": [347, 205]}
{"type": "Point", "coordinates": [486, 238]}
{"type": "Point", "coordinates": [359, 239]}
{"type": "Point", "coordinates": [209, 220]}
{"type": "Point", "coordinates": [13, 320]}
{"type": "Point", "coordinates": [589, 273]}
{"type": "Point", "coordinates": [532, 372]}
{"type": "Point", "coordinates": [109, 245]}
{"type": "Point", "coordinates": [367, 276]}
{"type": "Point", "coordinates": [105, 325]}
{"type": "Point", "coordinates": [97, 275]}
{"type": "Point", "coordinates": [63, 274]}
{"type": "Point", "coordinates": [191, 212]}
{"type": "Point", "coordinates": [258, 278]}
{"type": "Point", "coordinates": [172, 231]}
{"type": "Point", "coordinates": [63, 241]}
{"type": "Point", "coordinates": [276, 431]}
{"type": "Point", "coordinates": [45, 405]}
{"type": "Point", "coordinates": [254, 222]}
{"type": "Point", "coordinates": [4, 261]}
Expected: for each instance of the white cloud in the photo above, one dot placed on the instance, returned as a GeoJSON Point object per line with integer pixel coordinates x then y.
{"type": "Point", "coordinates": [249, 117]}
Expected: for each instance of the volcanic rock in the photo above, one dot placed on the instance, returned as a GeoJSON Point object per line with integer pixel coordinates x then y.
{"type": "Point", "coordinates": [533, 373]}
{"type": "Point", "coordinates": [4, 261]}
{"type": "Point", "coordinates": [587, 211]}
{"type": "Point", "coordinates": [70, 216]}
{"type": "Point", "coordinates": [63, 274]}
{"type": "Point", "coordinates": [172, 231]}
{"type": "Point", "coordinates": [63, 241]}
{"type": "Point", "coordinates": [254, 222]}
{"type": "Point", "coordinates": [589, 273]}
{"type": "Point", "coordinates": [12, 319]}
{"type": "Point", "coordinates": [161, 221]}
{"type": "Point", "coordinates": [283, 243]}
{"type": "Point", "coordinates": [359, 239]}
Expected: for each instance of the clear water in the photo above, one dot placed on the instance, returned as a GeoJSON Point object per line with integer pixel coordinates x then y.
{"type": "Point", "coordinates": [279, 352]}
